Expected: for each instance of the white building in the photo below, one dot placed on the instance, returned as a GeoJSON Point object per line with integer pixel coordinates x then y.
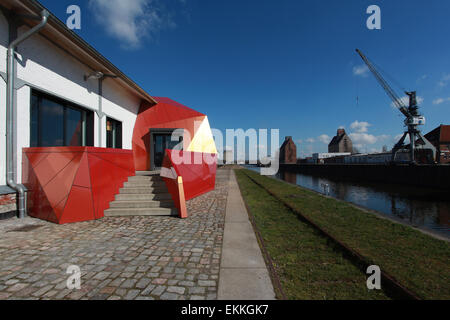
{"type": "Point", "coordinates": [59, 88]}
{"type": "Point", "coordinates": [319, 157]}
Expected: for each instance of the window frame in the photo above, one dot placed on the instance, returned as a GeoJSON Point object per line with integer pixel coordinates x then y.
{"type": "Point", "coordinates": [87, 119]}
{"type": "Point", "coordinates": [116, 132]}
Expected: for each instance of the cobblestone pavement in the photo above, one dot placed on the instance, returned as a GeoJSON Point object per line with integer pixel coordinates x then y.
{"type": "Point", "coordinates": [119, 257]}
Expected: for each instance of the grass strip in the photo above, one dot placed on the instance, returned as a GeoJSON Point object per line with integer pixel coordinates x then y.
{"type": "Point", "coordinates": [307, 265]}
{"type": "Point", "coordinates": [418, 261]}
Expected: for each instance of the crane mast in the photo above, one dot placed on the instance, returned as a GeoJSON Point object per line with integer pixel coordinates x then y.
{"type": "Point", "coordinates": [413, 118]}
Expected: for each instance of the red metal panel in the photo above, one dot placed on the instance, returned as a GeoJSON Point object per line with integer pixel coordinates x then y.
{"type": "Point", "coordinates": [83, 178]}
{"type": "Point", "coordinates": [75, 190]}
{"type": "Point", "coordinates": [165, 114]}
{"type": "Point", "coordinates": [107, 178]}
{"type": "Point", "coordinates": [79, 206]}
{"type": "Point", "coordinates": [49, 167]}
{"type": "Point", "coordinates": [59, 187]}
{"type": "Point", "coordinates": [198, 175]}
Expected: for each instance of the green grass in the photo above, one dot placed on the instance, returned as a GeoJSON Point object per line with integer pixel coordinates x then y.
{"type": "Point", "coordinates": [308, 267]}
{"type": "Point", "coordinates": [420, 262]}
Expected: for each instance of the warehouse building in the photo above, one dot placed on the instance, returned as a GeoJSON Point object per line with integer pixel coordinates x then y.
{"type": "Point", "coordinates": [440, 138]}
{"type": "Point", "coordinates": [74, 128]}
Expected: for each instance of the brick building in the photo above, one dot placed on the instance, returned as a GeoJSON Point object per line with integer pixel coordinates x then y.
{"type": "Point", "coordinates": [440, 138]}
{"type": "Point", "coordinates": [340, 143]}
{"type": "Point", "coordinates": [288, 151]}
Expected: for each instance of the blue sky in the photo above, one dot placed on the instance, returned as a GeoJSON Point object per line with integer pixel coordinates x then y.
{"type": "Point", "coordinates": [283, 64]}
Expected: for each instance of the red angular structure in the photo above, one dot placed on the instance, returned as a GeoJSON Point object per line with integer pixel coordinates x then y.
{"type": "Point", "coordinates": [72, 184]}
{"type": "Point", "coordinates": [167, 113]}
{"type": "Point", "coordinates": [198, 172]}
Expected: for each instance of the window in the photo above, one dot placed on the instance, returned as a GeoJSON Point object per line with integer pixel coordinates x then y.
{"type": "Point", "coordinates": [113, 133]}
{"type": "Point", "coordinates": [55, 122]}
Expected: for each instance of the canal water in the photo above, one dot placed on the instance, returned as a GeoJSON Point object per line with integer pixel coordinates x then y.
{"type": "Point", "coordinates": [421, 207]}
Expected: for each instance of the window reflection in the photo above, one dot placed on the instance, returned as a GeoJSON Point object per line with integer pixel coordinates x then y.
{"type": "Point", "coordinates": [55, 122]}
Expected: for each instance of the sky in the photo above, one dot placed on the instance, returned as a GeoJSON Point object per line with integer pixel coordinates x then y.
{"type": "Point", "coordinates": [280, 64]}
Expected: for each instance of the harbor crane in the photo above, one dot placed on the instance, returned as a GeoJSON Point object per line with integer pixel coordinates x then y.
{"type": "Point", "coordinates": [413, 118]}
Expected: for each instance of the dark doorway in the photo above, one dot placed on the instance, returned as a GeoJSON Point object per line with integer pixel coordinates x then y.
{"type": "Point", "coordinates": [161, 139]}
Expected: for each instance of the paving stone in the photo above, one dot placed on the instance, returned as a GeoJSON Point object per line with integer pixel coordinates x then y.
{"type": "Point", "coordinates": [132, 294]}
{"type": "Point", "coordinates": [197, 290]}
{"type": "Point", "coordinates": [206, 283]}
{"type": "Point", "coordinates": [144, 282]}
{"type": "Point", "coordinates": [129, 283]}
{"type": "Point", "coordinates": [158, 290]}
{"type": "Point", "coordinates": [42, 291]}
{"type": "Point", "coordinates": [169, 296]}
{"type": "Point", "coordinates": [178, 290]}
{"type": "Point", "coordinates": [133, 257]}
{"type": "Point", "coordinates": [17, 287]}
{"type": "Point", "coordinates": [186, 283]}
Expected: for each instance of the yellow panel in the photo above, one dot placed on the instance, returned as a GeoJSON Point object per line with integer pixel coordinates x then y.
{"type": "Point", "coordinates": [203, 140]}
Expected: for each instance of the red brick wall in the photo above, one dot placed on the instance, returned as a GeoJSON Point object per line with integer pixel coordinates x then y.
{"type": "Point", "coordinates": [7, 199]}
{"type": "Point", "coordinates": [445, 153]}
{"type": "Point", "coordinates": [7, 203]}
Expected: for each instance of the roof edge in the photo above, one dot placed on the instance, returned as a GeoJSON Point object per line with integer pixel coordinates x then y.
{"type": "Point", "coordinates": [56, 23]}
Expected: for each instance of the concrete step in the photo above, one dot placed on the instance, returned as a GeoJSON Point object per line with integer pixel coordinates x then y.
{"type": "Point", "coordinates": [153, 184]}
{"type": "Point", "coordinates": [143, 190]}
{"type": "Point", "coordinates": [144, 196]}
{"type": "Point", "coordinates": [121, 212]}
{"type": "Point", "coordinates": [145, 178]}
{"type": "Point", "coordinates": [141, 204]}
{"type": "Point", "coordinates": [148, 173]}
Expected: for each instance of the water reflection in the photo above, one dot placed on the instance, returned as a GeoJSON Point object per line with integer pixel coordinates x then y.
{"type": "Point", "coordinates": [418, 206]}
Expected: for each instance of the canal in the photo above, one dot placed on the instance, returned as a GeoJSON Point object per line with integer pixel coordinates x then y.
{"type": "Point", "coordinates": [420, 207]}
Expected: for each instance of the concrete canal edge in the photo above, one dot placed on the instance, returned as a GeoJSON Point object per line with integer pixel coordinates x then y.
{"type": "Point", "coordinates": [243, 272]}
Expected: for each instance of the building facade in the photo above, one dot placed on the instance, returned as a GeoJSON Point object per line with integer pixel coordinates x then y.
{"type": "Point", "coordinates": [75, 114]}
{"type": "Point", "coordinates": [340, 143]}
{"type": "Point", "coordinates": [288, 151]}
{"type": "Point", "coordinates": [440, 138]}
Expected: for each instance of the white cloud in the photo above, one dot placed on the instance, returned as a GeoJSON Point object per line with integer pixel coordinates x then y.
{"type": "Point", "coordinates": [361, 70]}
{"type": "Point", "coordinates": [310, 140]}
{"type": "Point", "coordinates": [360, 126]}
{"type": "Point", "coordinates": [383, 137]}
{"type": "Point", "coordinates": [324, 138]}
{"type": "Point", "coordinates": [444, 80]}
{"type": "Point", "coordinates": [299, 141]}
{"type": "Point", "coordinates": [361, 138]}
{"type": "Point", "coordinates": [440, 100]}
{"type": "Point", "coordinates": [423, 77]}
{"type": "Point", "coordinates": [130, 21]}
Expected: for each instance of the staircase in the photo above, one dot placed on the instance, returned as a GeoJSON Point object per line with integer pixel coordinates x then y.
{"type": "Point", "coordinates": [144, 194]}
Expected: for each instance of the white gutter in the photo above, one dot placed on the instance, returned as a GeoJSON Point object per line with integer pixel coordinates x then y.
{"type": "Point", "coordinates": [10, 74]}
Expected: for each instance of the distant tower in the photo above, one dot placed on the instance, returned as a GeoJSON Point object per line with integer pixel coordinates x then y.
{"type": "Point", "coordinates": [228, 157]}
{"type": "Point", "coordinates": [341, 142]}
{"type": "Point", "coordinates": [288, 151]}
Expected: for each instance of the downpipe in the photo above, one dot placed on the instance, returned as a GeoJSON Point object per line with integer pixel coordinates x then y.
{"type": "Point", "coordinates": [9, 113]}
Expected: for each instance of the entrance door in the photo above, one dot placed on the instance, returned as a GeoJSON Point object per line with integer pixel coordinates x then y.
{"type": "Point", "coordinates": [161, 141]}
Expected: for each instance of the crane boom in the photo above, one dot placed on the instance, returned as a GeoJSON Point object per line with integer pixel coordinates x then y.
{"type": "Point", "coordinates": [413, 119]}
{"type": "Point", "coordinates": [390, 92]}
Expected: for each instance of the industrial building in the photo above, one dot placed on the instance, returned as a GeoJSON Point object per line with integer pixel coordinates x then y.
{"type": "Point", "coordinates": [440, 138]}
{"type": "Point", "coordinates": [288, 151]}
{"type": "Point", "coordinates": [340, 143]}
{"type": "Point", "coordinates": [75, 130]}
